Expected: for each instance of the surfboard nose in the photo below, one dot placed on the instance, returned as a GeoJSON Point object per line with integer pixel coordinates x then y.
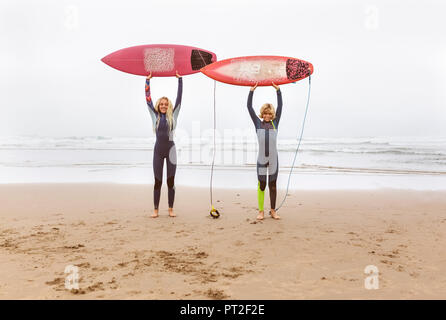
{"type": "Point", "coordinates": [206, 67]}
{"type": "Point", "coordinates": [106, 60]}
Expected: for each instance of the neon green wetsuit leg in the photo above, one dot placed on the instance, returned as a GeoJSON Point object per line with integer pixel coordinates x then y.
{"type": "Point", "coordinates": [260, 196]}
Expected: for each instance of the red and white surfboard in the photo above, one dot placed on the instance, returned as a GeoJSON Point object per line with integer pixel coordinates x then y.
{"type": "Point", "coordinates": [163, 60]}
{"type": "Point", "coordinates": [247, 71]}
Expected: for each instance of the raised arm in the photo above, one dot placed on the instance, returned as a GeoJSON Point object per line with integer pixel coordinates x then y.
{"type": "Point", "coordinates": [148, 96]}
{"type": "Point", "coordinates": [179, 94]}
{"type": "Point", "coordinates": [253, 115]}
{"type": "Point", "coordinates": [279, 105]}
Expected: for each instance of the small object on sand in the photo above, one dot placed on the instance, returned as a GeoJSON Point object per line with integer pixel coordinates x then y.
{"type": "Point", "coordinates": [214, 213]}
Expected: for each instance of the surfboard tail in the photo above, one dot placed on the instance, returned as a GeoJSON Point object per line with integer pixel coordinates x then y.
{"type": "Point", "coordinates": [298, 69]}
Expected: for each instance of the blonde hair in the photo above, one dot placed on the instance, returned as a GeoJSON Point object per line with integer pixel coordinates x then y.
{"type": "Point", "coordinates": [169, 112]}
{"type": "Point", "coordinates": [268, 108]}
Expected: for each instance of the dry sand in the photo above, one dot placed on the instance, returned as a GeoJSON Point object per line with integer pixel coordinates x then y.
{"type": "Point", "coordinates": [318, 250]}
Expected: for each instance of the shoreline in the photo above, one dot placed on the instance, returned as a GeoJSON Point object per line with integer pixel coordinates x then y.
{"type": "Point", "coordinates": [281, 190]}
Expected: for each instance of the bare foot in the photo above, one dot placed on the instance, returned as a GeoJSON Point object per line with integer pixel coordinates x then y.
{"type": "Point", "coordinates": [274, 215]}
{"type": "Point", "coordinates": [155, 214]}
{"type": "Point", "coordinates": [260, 216]}
{"type": "Point", "coordinates": [171, 214]}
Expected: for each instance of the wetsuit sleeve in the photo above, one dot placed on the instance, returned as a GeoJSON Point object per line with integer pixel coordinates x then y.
{"type": "Point", "coordinates": [179, 95]}
{"type": "Point", "coordinates": [253, 115]}
{"type": "Point", "coordinates": [149, 98]}
{"type": "Point", "coordinates": [279, 107]}
{"type": "Point", "coordinates": [152, 111]}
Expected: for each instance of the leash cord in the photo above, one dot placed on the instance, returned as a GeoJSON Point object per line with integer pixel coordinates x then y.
{"type": "Point", "coordinates": [213, 157]}
{"type": "Point", "coordinates": [298, 145]}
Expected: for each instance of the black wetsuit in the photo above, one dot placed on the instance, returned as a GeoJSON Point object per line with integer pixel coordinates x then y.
{"type": "Point", "coordinates": [267, 159]}
{"type": "Point", "coordinates": [164, 146]}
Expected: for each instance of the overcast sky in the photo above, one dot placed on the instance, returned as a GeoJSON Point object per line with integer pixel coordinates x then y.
{"type": "Point", "coordinates": [380, 66]}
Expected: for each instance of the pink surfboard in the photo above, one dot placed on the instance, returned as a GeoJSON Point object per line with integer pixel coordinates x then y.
{"type": "Point", "coordinates": [163, 60]}
{"type": "Point", "coordinates": [247, 71]}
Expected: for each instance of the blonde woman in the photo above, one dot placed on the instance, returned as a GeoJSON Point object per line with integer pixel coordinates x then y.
{"type": "Point", "coordinates": [164, 119]}
{"type": "Point", "coordinates": [267, 159]}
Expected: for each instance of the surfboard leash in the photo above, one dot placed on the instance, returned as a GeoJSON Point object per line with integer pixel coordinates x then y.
{"type": "Point", "coordinates": [214, 212]}
{"type": "Point", "coordinates": [299, 141]}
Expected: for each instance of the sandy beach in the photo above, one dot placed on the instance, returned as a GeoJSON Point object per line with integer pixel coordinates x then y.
{"type": "Point", "coordinates": [317, 251]}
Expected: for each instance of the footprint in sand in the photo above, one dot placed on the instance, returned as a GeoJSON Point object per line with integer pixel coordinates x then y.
{"type": "Point", "coordinates": [75, 247]}
{"type": "Point", "coordinates": [78, 291]}
{"type": "Point", "coordinates": [201, 255]}
{"type": "Point", "coordinates": [133, 292]}
{"type": "Point", "coordinates": [389, 255]}
{"type": "Point", "coordinates": [78, 224]}
{"type": "Point", "coordinates": [239, 243]}
{"type": "Point", "coordinates": [130, 274]}
{"type": "Point", "coordinates": [56, 281]}
{"type": "Point", "coordinates": [113, 284]}
{"type": "Point", "coordinates": [83, 265]}
{"type": "Point", "coordinates": [95, 287]}
{"type": "Point", "coordinates": [100, 269]}
{"type": "Point", "coordinates": [216, 294]}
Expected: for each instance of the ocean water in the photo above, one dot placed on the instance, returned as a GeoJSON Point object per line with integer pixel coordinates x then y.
{"type": "Point", "coordinates": [321, 163]}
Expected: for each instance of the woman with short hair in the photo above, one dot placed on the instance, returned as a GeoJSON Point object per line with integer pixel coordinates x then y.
{"type": "Point", "coordinates": [267, 158]}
